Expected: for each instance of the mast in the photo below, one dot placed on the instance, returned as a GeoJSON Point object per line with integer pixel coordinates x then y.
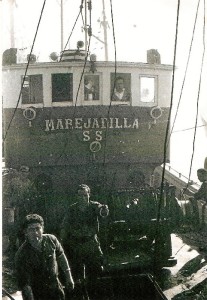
{"type": "Point", "coordinates": [11, 9]}
{"type": "Point", "coordinates": [105, 24]}
{"type": "Point", "coordinates": [61, 26]}
{"type": "Point", "coordinates": [85, 29]}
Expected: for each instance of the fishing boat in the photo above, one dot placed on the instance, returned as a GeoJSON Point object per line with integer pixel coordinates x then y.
{"type": "Point", "coordinates": [76, 119]}
{"type": "Point", "coordinates": [63, 120]}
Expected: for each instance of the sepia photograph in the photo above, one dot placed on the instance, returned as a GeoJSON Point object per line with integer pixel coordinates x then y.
{"type": "Point", "coordinates": [104, 149]}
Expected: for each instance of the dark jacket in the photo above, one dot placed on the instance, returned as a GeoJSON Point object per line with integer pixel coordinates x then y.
{"type": "Point", "coordinates": [39, 269]}
{"type": "Point", "coordinates": [201, 194]}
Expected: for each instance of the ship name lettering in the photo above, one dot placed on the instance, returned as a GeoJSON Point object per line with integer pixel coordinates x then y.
{"type": "Point", "coordinates": [90, 123]}
{"type": "Point", "coordinates": [87, 137]}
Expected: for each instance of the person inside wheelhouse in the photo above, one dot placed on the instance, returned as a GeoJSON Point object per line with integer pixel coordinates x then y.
{"type": "Point", "coordinates": [90, 91]}
{"type": "Point", "coordinates": [120, 92]}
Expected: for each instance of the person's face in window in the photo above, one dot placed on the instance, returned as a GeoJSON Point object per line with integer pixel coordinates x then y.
{"type": "Point", "coordinates": [119, 85]}
{"type": "Point", "coordinates": [89, 84]}
{"type": "Point", "coordinates": [34, 234]}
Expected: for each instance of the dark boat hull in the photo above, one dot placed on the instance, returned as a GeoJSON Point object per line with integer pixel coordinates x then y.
{"type": "Point", "coordinates": [86, 142]}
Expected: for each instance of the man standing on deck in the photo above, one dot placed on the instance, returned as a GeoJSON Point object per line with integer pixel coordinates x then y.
{"type": "Point", "coordinates": [79, 234]}
{"type": "Point", "coordinates": [38, 261]}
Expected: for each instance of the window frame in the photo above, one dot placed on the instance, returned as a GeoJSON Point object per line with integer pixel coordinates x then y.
{"type": "Point", "coordinates": [148, 103]}
{"type": "Point", "coordinates": [70, 91]}
{"type": "Point", "coordinates": [33, 89]}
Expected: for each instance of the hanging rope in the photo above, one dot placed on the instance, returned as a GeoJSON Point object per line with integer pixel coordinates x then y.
{"type": "Point", "coordinates": [115, 72]}
{"type": "Point", "coordinates": [190, 128]}
{"type": "Point", "coordinates": [186, 69]}
{"type": "Point", "coordinates": [79, 87]}
{"type": "Point", "coordinates": [198, 95]}
{"type": "Point", "coordinates": [160, 200]}
{"type": "Point", "coordinates": [25, 74]}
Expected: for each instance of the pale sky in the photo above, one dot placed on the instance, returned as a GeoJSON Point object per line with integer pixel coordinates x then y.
{"type": "Point", "coordinates": [139, 25]}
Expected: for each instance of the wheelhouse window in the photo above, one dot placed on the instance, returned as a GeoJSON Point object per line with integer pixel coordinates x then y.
{"type": "Point", "coordinates": [121, 87]}
{"type": "Point", "coordinates": [32, 90]}
{"type": "Point", "coordinates": [91, 87]}
{"type": "Point", "coordinates": [62, 87]}
{"type": "Point", "coordinates": [147, 89]}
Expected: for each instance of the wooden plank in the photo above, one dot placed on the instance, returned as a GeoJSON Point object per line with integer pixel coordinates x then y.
{"type": "Point", "coordinates": [196, 279]}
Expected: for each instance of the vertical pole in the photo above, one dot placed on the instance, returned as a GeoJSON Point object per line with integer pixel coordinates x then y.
{"type": "Point", "coordinates": [105, 24]}
{"type": "Point", "coordinates": [85, 29]}
{"type": "Point", "coordinates": [61, 20]}
{"type": "Point", "coordinates": [11, 9]}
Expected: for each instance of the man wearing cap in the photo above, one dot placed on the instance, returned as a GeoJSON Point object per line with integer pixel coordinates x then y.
{"type": "Point", "coordinates": [79, 234]}
{"type": "Point", "coordinates": [38, 262]}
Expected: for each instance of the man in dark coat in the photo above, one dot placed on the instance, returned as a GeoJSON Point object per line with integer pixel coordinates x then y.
{"type": "Point", "coordinates": [79, 234]}
{"type": "Point", "coordinates": [38, 262]}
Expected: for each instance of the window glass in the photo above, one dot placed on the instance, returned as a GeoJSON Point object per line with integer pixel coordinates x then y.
{"type": "Point", "coordinates": [62, 87]}
{"type": "Point", "coordinates": [91, 87]}
{"type": "Point", "coordinates": [147, 89]}
{"type": "Point", "coordinates": [32, 90]}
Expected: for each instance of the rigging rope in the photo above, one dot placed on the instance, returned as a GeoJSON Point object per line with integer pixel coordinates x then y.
{"type": "Point", "coordinates": [160, 200]}
{"type": "Point", "coordinates": [189, 128]}
{"type": "Point", "coordinates": [25, 74]}
{"type": "Point", "coordinates": [198, 95]}
{"type": "Point", "coordinates": [79, 85]}
{"type": "Point", "coordinates": [115, 72]}
{"type": "Point", "coordinates": [195, 127]}
{"type": "Point", "coordinates": [80, 13]}
{"type": "Point", "coordinates": [186, 69]}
